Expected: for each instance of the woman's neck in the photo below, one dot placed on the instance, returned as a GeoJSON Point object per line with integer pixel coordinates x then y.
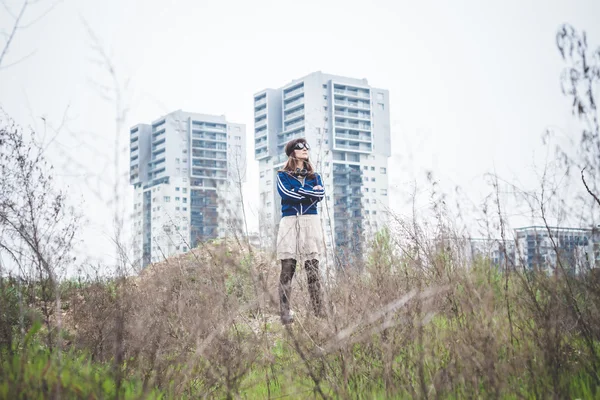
{"type": "Point", "coordinates": [300, 164]}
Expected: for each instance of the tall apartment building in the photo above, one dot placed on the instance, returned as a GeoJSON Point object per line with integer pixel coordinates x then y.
{"type": "Point", "coordinates": [185, 169]}
{"type": "Point", "coordinates": [347, 123]}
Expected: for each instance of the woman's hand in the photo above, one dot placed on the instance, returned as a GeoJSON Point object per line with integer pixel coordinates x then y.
{"type": "Point", "coordinates": [318, 187]}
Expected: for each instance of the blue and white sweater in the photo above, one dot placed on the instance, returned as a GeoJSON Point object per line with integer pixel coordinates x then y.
{"type": "Point", "coordinates": [297, 197]}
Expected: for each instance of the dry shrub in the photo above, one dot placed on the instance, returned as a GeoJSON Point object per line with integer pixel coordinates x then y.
{"type": "Point", "coordinates": [422, 320]}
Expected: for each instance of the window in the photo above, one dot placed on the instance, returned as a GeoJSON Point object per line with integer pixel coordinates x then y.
{"type": "Point", "coordinates": [384, 192]}
{"type": "Point", "coordinates": [177, 170]}
{"type": "Point", "coordinates": [268, 183]}
{"type": "Point", "coordinates": [372, 168]}
{"type": "Point", "coordinates": [185, 199]}
{"type": "Point", "coordinates": [383, 170]}
{"type": "Point", "coordinates": [324, 86]}
{"type": "Point", "coordinates": [184, 190]}
{"type": "Point", "coordinates": [379, 96]}
{"type": "Point", "coordinates": [177, 160]}
{"type": "Point", "coordinates": [184, 151]}
{"type": "Point", "coordinates": [367, 190]}
{"type": "Point", "coordinates": [373, 190]}
{"type": "Point", "coordinates": [324, 108]}
{"type": "Point", "coordinates": [176, 198]}
{"type": "Point", "coordinates": [167, 199]}
{"type": "Point", "coordinates": [324, 97]}
{"type": "Point", "coordinates": [366, 168]}
{"type": "Point", "coordinates": [184, 179]}
{"type": "Point", "coordinates": [184, 160]}
{"type": "Point", "coordinates": [262, 174]}
{"type": "Point", "coordinates": [184, 208]}
{"type": "Point", "coordinates": [381, 106]}
{"type": "Point", "coordinates": [372, 179]}
{"type": "Point", "coordinates": [185, 170]}
{"type": "Point", "coordinates": [268, 204]}
{"type": "Point", "coordinates": [374, 212]}
{"type": "Point", "coordinates": [176, 208]}
{"type": "Point", "coordinates": [238, 137]}
{"type": "Point", "coordinates": [176, 189]}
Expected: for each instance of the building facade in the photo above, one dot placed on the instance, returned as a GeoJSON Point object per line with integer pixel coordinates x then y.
{"type": "Point", "coordinates": [347, 124]}
{"type": "Point", "coordinates": [573, 249]}
{"type": "Point", "coordinates": [186, 170]}
{"type": "Point", "coordinates": [500, 253]}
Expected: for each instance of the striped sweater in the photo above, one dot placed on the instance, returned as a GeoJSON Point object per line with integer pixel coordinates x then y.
{"type": "Point", "coordinates": [298, 196]}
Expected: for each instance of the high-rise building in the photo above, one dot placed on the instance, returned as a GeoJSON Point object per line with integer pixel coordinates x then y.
{"type": "Point", "coordinates": [186, 170]}
{"type": "Point", "coordinates": [347, 123]}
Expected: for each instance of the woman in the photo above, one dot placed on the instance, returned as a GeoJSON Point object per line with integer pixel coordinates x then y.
{"type": "Point", "coordinates": [299, 237]}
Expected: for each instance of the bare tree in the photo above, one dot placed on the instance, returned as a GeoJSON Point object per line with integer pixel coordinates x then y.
{"type": "Point", "coordinates": [37, 228]}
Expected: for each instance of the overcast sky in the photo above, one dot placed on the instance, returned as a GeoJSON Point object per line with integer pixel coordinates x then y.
{"type": "Point", "coordinates": [473, 84]}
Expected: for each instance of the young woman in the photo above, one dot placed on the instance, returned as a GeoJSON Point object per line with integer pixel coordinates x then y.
{"type": "Point", "coordinates": [299, 237]}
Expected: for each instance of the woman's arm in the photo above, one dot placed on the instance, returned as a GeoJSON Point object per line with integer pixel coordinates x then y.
{"type": "Point", "coordinates": [316, 192]}
{"type": "Point", "coordinates": [286, 190]}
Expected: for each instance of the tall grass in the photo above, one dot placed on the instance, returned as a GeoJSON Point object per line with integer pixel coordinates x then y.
{"type": "Point", "coordinates": [421, 323]}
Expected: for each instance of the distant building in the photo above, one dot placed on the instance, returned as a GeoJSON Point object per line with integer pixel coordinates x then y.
{"type": "Point", "coordinates": [185, 169]}
{"type": "Point", "coordinates": [500, 253]}
{"type": "Point", "coordinates": [575, 249]}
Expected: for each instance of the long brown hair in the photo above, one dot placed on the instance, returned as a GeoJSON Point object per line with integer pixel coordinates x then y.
{"type": "Point", "coordinates": [290, 165]}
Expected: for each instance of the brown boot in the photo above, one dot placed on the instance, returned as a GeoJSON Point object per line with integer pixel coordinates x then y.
{"type": "Point", "coordinates": [314, 286]}
{"type": "Point", "coordinates": [288, 267]}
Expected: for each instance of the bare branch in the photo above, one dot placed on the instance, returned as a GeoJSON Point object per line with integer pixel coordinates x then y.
{"type": "Point", "coordinates": [588, 189]}
{"type": "Point", "coordinates": [13, 32]}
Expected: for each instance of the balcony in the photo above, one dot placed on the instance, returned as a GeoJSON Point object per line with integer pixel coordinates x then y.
{"type": "Point", "coordinates": [158, 142]}
{"type": "Point", "coordinates": [208, 136]}
{"type": "Point", "coordinates": [353, 104]}
{"type": "Point", "coordinates": [261, 153]}
{"type": "Point", "coordinates": [260, 102]}
{"type": "Point", "coordinates": [260, 122]}
{"type": "Point", "coordinates": [209, 164]}
{"type": "Point", "coordinates": [362, 147]}
{"type": "Point", "coordinates": [209, 127]}
{"type": "Point", "coordinates": [200, 144]}
{"type": "Point", "coordinates": [260, 132]}
{"type": "Point", "coordinates": [260, 112]}
{"type": "Point", "coordinates": [292, 115]}
{"type": "Point", "coordinates": [293, 93]}
{"type": "Point", "coordinates": [205, 173]}
{"type": "Point", "coordinates": [293, 104]}
{"type": "Point", "coordinates": [209, 155]}
{"type": "Point", "coordinates": [353, 93]}
{"type": "Point", "coordinates": [357, 115]}
{"type": "Point", "coordinates": [359, 138]}
{"type": "Point", "coordinates": [360, 127]}
{"type": "Point", "coordinates": [295, 125]}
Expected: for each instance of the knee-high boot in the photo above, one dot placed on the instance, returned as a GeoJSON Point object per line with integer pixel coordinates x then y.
{"type": "Point", "coordinates": [314, 286]}
{"type": "Point", "coordinates": [288, 267]}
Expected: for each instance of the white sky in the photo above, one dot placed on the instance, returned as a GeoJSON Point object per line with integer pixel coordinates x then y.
{"type": "Point", "coordinates": [473, 85]}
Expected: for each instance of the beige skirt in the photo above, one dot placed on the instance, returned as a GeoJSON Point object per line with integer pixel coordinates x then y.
{"type": "Point", "coordinates": [300, 237]}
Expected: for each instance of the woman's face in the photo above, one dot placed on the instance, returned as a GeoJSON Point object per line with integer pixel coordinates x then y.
{"type": "Point", "coordinates": [301, 154]}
